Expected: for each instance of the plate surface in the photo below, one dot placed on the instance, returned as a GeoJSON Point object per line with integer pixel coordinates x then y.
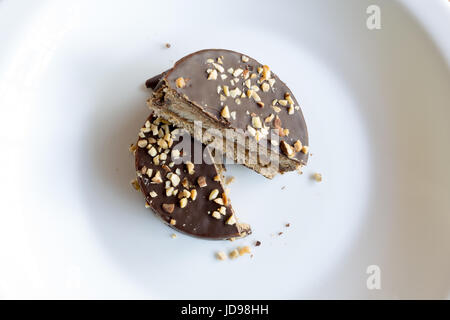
{"type": "Point", "coordinates": [377, 105]}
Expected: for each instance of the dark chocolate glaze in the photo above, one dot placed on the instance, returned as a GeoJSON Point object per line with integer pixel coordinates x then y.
{"type": "Point", "coordinates": [194, 218]}
{"type": "Point", "coordinates": [203, 94]}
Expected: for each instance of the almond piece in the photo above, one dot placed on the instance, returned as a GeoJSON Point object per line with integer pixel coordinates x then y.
{"type": "Point", "coordinates": [168, 207]}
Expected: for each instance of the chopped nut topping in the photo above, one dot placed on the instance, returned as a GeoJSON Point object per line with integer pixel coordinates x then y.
{"type": "Point", "coordinates": [223, 76]}
{"type": "Point", "coordinates": [318, 177]}
{"type": "Point", "coordinates": [286, 148]}
{"type": "Point", "coordinates": [291, 109]}
{"type": "Point", "coordinates": [271, 82]}
{"type": "Point", "coordinates": [218, 67]}
{"type": "Point", "coordinates": [149, 172]}
{"type": "Point", "coordinates": [180, 83]}
{"type": "Point", "coordinates": [169, 191]}
{"type": "Point", "coordinates": [153, 194]}
{"type": "Point", "coordinates": [256, 123]}
{"type": "Point", "coordinates": [255, 96]}
{"type": "Point", "coordinates": [173, 222]}
{"type": "Point", "coordinates": [230, 70]}
{"type": "Point", "coordinates": [288, 97]}
{"type": "Point", "coordinates": [216, 178]}
{"type": "Point", "coordinates": [175, 179]}
{"type": "Point", "coordinates": [168, 207]}
{"type": "Point", "coordinates": [305, 149]}
{"type": "Point", "coordinates": [298, 146]}
{"type": "Point", "coordinates": [225, 112]}
{"type": "Point", "coordinates": [265, 73]}
{"type": "Point", "coordinates": [190, 167]}
{"type": "Point", "coordinates": [221, 255]}
{"type": "Point", "coordinates": [216, 215]}
{"type": "Point", "coordinates": [212, 75]}
{"type": "Point", "coordinates": [152, 151]}
{"type": "Point", "coordinates": [219, 201]}
{"type": "Point", "coordinates": [244, 250]}
{"type": "Point", "coordinates": [235, 92]}
{"type": "Point", "coordinates": [157, 178]}
{"type": "Point", "coordinates": [226, 91]}
{"type": "Point", "coordinates": [183, 202]}
{"type": "Point", "coordinates": [248, 83]}
{"type": "Point", "coordinates": [276, 109]}
{"type": "Point", "coordinates": [237, 72]}
{"type": "Point", "coordinates": [233, 115]}
{"type": "Point", "coordinates": [142, 143]}
{"type": "Point", "coordinates": [231, 220]}
{"type": "Point", "coordinates": [265, 87]}
{"type": "Point", "coordinates": [245, 59]}
{"type": "Point", "coordinates": [213, 194]}
{"type": "Point", "coordinates": [201, 181]}
{"type": "Point", "coordinates": [193, 194]}
{"type": "Point", "coordinates": [269, 118]}
{"type": "Point", "coordinates": [222, 210]}
{"type": "Point", "coordinates": [284, 103]}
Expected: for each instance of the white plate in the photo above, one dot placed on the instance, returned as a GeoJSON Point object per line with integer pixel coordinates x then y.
{"type": "Point", "coordinates": [377, 104]}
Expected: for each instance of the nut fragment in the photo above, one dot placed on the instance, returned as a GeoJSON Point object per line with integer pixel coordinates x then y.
{"type": "Point", "coordinates": [168, 207]}
{"type": "Point", "coordinates": [216, 178]}
{"type": "Point", "coordinates": [225, 112]}
{"type": "Point", "coordinates": [218, 67]}
{"type": "Point", "coordinates": [226, 91]}
{"type": "Point", "coordinates": [173, 222]}
{"type": "Point", "coordinates": [288, 97]}
{"type": "Point", "coordinates": [175, 179]}
{"type": "Point", "coordinates": [216, 215]}
{"type": "Point", "coordinates": [193, 194]}
{"type": "Point", "coordinates": [265, 73]}
{"type": "Point", "coordinates": [284, 103]}
{"type": "Point", "coordinates": [244, 59]}
{"type": "Point", "coordinates": [157, 178]}
{"type": "Point", "coordinates": [213, 194]}
{"type": "Point", "coordinates": [286, 148]}
{"type": "Point", "coordinates": [317, 177]}
{"type": "Point", "coordinates": [221, 255]}
{"type": "Point", "coordinates": [180, 83]}
{"type": "Point", "coordinates": [256, 123]}
{"type": "Point", "coordinates": [265, 87]}
{"type": "Point", "coordinates": [190, 167]}
{"type": "Point", "coordinates": [237, 72]}
{"type": "Point", "coordinates": [234, 254]}
{"type": "Point", "coordinates": [222, 210]}
{"type": "Point", "coordinates": [183, 202]}
{"type": "Point", "coordinates": [142, 143]}
{"type": "Point", "coordinates": [305, 149]}
{"type": "Point", "coordinates": [153, 194]}
{"type": "Point", "coordinates": [231, 220]}
{"type": "Point", "coordinates": [212, 75]}
{"type": "Point", "coordinates": [201, 181]}
{"type": "Point", "coordinates": [298, 146]}
{"type": "Point", "coordinates": [244, 250]}
{"type": "Point", "coordinates": [269, 118]}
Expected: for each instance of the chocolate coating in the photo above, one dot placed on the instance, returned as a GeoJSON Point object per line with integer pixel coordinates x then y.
{"type": "Point", "coordinates": [202, 93]}
{"type": "Point", "coordinates": [193, 219]}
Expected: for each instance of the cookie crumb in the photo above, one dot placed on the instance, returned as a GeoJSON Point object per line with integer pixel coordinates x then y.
{"type": "Point", "coordinates": [221, 255]}
{"type": "Point", "coordinates": [257, 243]}
{"type": "Point", "coordinates": [288, 225]}
{"type": "Point", "coordinates": [280, 233]}
{"type": "Point", "coordinates": [167, 45]}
